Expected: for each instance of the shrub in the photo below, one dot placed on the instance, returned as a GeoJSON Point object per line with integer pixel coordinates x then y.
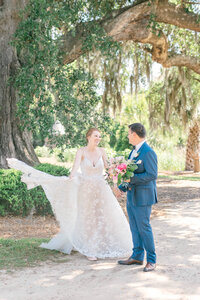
{"type": "Point", "coordinates": [43, 151]}
{"type": "Point", "coordinates": [53, 170]}
{"type": "Point", "coordinates": [170, 160]}
{"type": "Point", "coordinates": [68, 155]}
{"type": "Point", "coordinates": [15, 199]}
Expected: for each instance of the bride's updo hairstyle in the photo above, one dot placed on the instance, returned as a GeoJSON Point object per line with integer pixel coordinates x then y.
{"type": "Point", "coordinates": [90, 132]}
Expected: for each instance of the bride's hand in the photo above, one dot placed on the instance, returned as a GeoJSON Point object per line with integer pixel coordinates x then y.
{"type": "Point", "coordinates": [117, 192]}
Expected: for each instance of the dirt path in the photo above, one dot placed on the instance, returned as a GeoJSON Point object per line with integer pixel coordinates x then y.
{"type": "Point", "coordinates": [176, 225]}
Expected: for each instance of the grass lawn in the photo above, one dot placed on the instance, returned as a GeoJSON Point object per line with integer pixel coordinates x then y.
{"type": "Point", "coordinates": [26, 253]}
{"type": "Point", "coordinates": [179, 177]}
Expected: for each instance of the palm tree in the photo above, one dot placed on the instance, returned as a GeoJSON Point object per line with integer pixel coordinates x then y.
{"type": "Point", "coordinates": [193, 148]}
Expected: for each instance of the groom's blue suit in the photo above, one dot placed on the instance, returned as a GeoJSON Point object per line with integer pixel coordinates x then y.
{"type": "Point", "coordinates": [141, 195]}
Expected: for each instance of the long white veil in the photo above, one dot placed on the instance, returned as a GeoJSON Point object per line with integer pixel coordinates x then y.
{"type": "Point", "coordinates": [56, 188]}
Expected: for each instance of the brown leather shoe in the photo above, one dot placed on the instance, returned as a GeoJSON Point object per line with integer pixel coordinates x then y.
{"type": "Point", "coordinates": [130, 261]}
{"type": "Point", "coordinates": [149, 267]}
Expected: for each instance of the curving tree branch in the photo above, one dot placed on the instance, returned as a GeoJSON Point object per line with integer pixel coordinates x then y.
{"type": "Point", "coordinates": [132, 23]}
{"type": "Point", "coordinates": [183, 61]}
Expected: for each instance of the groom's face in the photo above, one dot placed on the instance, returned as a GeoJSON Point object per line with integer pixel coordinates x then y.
{"type": "Point", "coordinates": [132, 137]}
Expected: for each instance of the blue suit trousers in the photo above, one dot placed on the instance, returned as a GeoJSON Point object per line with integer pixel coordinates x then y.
{"type": "Point", "coordinates": [142, 235]}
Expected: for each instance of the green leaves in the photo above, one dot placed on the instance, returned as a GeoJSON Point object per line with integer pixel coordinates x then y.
{"type": "Point", "coordinates": [97, 39]}
{"type": "Point", "coordinates": [119, 179]}
{"type": "Point", "coordinates": [17, 200]}
{"type": "Point", "coordinates": [48, 90]}
{"type": "Point", "coordinates": [155, 27]}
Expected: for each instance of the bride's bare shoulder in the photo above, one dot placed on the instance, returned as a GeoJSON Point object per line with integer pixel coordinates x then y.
{"type": "Point", "coordinates": [80, 151]}
{"type": "Point", "coordinates": [103, 151]}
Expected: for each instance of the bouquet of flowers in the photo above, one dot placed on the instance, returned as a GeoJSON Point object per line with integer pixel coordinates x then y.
{"type": "Point", "coordinates": [119, 170]}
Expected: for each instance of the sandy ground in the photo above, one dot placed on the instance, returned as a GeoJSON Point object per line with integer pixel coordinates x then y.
{"type": "Point", "coordinates": [176, 226]}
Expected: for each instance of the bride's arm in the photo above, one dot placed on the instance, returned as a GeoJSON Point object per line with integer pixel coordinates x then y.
{"type": "Point", "coordinates": [76, 164]}
{"type": "Point", "coordinates": [105, 158]}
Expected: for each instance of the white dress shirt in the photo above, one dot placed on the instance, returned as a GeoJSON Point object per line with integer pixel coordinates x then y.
{"type": "Point", "coordinates": [137, 147]}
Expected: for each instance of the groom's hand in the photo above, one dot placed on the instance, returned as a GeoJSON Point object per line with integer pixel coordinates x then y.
{"type": "Point", "coordinates": [127, 180]}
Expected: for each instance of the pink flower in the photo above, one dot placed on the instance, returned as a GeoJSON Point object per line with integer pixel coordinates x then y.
{"type": "Point", "coordinates": [122, 167]}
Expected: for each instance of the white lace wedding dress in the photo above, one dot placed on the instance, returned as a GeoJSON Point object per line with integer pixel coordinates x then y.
{"type": "Point", "coordinates": [90, 217]}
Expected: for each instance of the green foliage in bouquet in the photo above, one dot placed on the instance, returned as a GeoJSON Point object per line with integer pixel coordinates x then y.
{"type": "Point", "coordinates": [131, 167]}
{"type": "Point", "coordinates": [120, 170]}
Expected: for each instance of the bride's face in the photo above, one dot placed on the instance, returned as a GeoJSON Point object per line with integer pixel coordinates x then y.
{"type": "Point", "coordinates": [94, 138]}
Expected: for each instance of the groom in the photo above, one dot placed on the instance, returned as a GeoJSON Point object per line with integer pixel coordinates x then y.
{"type": "Point", "coordinates": [141, 195]}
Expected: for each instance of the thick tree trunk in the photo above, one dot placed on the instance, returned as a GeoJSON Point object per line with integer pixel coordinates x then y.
{"type": "Point", "coordinates": [13, 142]}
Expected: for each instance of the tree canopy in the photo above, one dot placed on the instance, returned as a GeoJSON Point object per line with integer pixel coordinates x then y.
{"type": "Point", "coordinates": [50, 81]}
{"type": "Point", "coordinates": [53, 34]}
{"type": "Point", "coordinates": [143, 22]}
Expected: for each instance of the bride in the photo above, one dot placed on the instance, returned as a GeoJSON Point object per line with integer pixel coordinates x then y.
{"type": "Point", "coordinates": [90, 217]}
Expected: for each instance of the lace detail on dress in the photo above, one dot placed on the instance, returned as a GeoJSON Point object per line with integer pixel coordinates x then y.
{"type": "Point", "coordinates": [90, 217]}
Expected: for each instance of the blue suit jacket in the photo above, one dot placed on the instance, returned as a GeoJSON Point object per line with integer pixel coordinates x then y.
{"type": "Point", "coordinates": [142, 187]}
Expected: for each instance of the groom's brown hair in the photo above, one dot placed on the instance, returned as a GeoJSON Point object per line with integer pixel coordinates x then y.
{"type": "Point", "coordinates": [139, 129]}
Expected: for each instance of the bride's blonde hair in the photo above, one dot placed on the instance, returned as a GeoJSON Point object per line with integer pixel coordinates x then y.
{"type": "Point", "coordinates": [90, 132]}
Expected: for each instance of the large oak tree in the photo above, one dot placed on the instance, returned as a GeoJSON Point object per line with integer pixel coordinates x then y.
{"type": "Point", "coordinates": [139, 22]}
